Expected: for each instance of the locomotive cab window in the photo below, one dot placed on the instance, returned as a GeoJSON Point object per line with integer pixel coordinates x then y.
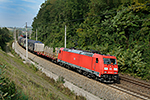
{"type": "Point", "coordinates": [96, 60]}
{"type": "Point", "coordinates": [109, 61]}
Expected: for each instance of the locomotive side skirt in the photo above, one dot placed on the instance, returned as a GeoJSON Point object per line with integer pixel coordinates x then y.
{"type": "Point", "coordinates": [82, 68]}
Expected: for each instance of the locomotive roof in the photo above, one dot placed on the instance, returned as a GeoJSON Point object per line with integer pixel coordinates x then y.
{"type": "Point", "coordinates": [79, 52]}
{"type": "Point", "coordinates": [83, 52]}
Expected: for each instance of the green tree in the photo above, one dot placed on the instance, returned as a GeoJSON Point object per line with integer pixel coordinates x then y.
{"type": "Point", "coordinates": [5, 36]}
{"type": "Point", "coordinates": [114, 27]}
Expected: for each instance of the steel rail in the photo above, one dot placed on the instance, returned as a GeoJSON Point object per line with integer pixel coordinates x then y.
{"type": "Point", "coordinates": [131, 92]}
{"type": "Point", "coordinates": [133, 81]}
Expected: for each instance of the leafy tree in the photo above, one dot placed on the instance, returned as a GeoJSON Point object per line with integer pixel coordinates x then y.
{"type": "Point", "coordinates": [5, 36]}
{"type": "Point", "coordinates": [117, 27]}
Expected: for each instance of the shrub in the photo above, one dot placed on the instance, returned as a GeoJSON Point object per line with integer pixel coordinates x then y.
{"type": "Point", "coordinates": [7, 88]}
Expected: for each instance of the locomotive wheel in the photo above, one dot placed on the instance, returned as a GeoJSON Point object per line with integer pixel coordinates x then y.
{"type": "Point", "coordinates": [80, 71]}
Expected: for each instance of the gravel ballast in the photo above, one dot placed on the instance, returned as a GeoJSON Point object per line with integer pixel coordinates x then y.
{"type": "Point", "coordinates": [89, 88]}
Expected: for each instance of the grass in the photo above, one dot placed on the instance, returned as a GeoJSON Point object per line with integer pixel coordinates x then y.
{"type": "Point", "coordinates": [32, 83]}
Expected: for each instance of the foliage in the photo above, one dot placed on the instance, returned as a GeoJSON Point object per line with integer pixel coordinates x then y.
{"type": "Point", "coordinates": [33, 67]}
{"type": "Point", "coordinates": [5, 36]}
{"type": "Point", "coordinates": [130, 61]}
{"type": "Point", "coordinates": [120, 28]}
{"type": "Point", "coordinates": [7, 88]}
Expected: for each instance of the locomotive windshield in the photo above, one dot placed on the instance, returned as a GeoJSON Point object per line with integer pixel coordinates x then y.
{"type": "Point", "coordinates": [109, 61]}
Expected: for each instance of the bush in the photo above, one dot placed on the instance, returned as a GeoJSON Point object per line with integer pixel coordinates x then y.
{"type": "Point", "coordinates": [7, 88]}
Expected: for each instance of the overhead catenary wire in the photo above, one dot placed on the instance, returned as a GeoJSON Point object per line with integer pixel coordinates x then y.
{"type": "Point", "coordinates": [115, 12]}
{"type": "Point", "coordinates": [99, 26]}
{"type": "Point", "coordinates": [23, 25]}
{"type": "Point", "coordinates": [148, 4]}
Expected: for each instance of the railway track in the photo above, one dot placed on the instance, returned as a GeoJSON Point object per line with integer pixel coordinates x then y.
{"type": "Point", "coordinates": [128, 90]}
{"type": "Point", "coordinates": [133, 87]}
{"type": "Point", "coordinates": [136, 82]}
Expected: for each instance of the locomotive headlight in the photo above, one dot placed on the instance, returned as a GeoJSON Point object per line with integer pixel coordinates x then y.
{"type": "Point", "coordinates": [115, 69]}
{"type": "Point", "coordinates": [105, 68]}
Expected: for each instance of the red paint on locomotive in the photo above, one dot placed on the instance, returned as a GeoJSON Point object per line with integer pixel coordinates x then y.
{"type": "Point", "coordinates": [95, 63]}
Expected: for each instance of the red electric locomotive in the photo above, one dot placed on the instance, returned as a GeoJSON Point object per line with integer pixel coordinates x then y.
{"type": "Point", "coordinates": [102, 67]}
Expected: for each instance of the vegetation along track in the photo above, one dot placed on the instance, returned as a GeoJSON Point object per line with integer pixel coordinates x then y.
{"type": "Point", "coordinates": [134, 87]}
{"type": "Point", "coordinates": [123, 89]}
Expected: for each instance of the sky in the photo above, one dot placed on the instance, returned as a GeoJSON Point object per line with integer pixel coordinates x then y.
{"type": "Point", "coordinates": [15, 13]}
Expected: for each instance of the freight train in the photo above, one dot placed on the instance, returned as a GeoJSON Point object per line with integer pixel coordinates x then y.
{"type": "Point", "coordinates": [98, 66]}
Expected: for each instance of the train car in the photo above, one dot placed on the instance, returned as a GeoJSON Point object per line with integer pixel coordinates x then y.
{"type": "Point", "coordinates": [35, 46]}
{"type": "Point", "coordinates": [38, 47]}
{"type": "Point", "coordinates": [98, 66]}
{"type": "Point", "coordinates": [51, 52]}
{"type": "Point", "coordinates": [31, 44]}
{"type": "Point", "coordinates": [103, 67]}
{"type": "Point", "coordinates": [19, 39]}
{"type": "Point", "coordinates": [22, 41]}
